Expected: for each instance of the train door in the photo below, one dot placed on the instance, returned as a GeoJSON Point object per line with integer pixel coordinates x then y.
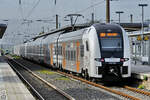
{"type": "Point", "coordinates": [86, 58]}
{"type": "Point", "coordinates": [44, 53]}
{"type": "Point", "coordinates": [25, 50]}
{"type": "Point", "coordinates": [86, 54]}
{"type": "Point", "coordinates": [51, 46]}
{"type": "Point", "coordinates": [41, 51]}
{"type": "Point", "coordinates": [45, 50]}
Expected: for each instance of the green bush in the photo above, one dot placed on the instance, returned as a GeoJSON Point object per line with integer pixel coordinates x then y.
{"type": "Point", "coordinates": [145, 78]}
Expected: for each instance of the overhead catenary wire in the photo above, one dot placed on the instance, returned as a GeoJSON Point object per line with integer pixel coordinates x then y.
{"type": "Point", "coordinates": [21, 9]}
{"type": "Point", "coordinates": [91, 6]}
{"type": "Point", "coordinates": [28, 15]}
{"type": "Point", "coordinates": [31, 11]}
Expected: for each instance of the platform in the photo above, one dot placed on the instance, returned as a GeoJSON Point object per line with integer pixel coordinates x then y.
{"type": "Point", "coordinates": [11, 87]}
{"type": "Point", "coordinates": [140, 71]}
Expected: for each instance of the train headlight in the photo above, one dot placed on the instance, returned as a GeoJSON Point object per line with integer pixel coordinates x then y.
{"type": "Point", "coordinates": [124, 59]}
{"type": "Point", "coordinates": [102, 60]}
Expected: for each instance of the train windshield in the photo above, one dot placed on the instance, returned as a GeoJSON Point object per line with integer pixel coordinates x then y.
{"type": "Point", "coordinates": [111, 41]}
{"type": "Point", "coordinates": [110, 38]}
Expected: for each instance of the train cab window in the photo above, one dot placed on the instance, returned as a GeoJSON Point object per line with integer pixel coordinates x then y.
{"type": "Point", "coordinates": [111, 41]}
{"type": "Point", "coordinates": [87, 46]}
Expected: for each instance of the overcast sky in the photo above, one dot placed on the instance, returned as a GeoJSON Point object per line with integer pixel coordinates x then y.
{"type": "Point", "coordinates": [10, 9]}
{"type": "Point", "coordinates": [46, 9]}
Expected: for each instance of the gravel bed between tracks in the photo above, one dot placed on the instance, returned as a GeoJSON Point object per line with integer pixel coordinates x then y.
{"type": "Point", "coordinates": [77, 89]}
{"type": "Point", "coordinates": [46, 92]}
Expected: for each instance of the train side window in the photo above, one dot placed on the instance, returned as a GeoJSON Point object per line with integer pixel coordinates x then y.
{"type": "Point", "coordinates": [69, 55]}
{"type": "Point", "coordinates": [82, 50]}
{"type": "Point", "coordinates": [74, 55]}
{"type": "Point", "coordinates": [66, 55]}
{"type": "Point", "coordinates": [87, 46]}
{"type": "Point", "coordinates": [55, 50]}
{"type": "Point", "coordinates": [60, 50]}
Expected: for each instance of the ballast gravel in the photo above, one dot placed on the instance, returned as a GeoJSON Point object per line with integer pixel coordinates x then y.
{"type": "Point", "coordinates": [76, 89]}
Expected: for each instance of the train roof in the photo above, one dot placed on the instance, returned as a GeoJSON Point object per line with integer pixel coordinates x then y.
{"type": "Point", "coordinates": [2, 29]}
{"type": "Point", "coordinates": [127, 26]}
{"type": "Point", "coordinates": [138, 34]}
{"type": "Point", "coordinates": [65, 29]}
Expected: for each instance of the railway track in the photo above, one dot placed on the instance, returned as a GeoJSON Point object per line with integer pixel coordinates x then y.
{"type": "Point", "coordinates": [101, 86]}
{"type": "Point", "coordinates": [40, 88]}
{"type": "Point", "coordinates": [140, 94]}
{"type": "Point", "coordinates": [115, 91]}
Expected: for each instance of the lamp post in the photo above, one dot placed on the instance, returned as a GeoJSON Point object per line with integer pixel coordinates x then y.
{"type": "Point", "coordinates": [107, 11]}
{"type": "Point", "coordinates": [119, 12]}
{"type": "Point", "coordinates": [142, 5]}
{"type": "Point", "coordinates": [131, 18]}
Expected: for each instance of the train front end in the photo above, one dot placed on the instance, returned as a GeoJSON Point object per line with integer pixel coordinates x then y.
{"type": "Point", "coordinates": [111, 56]}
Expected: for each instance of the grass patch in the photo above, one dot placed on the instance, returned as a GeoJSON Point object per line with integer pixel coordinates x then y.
{"type": "Point", "coordinates": [62, 78]}
{"type": "Point", "coordinates": [47, 72]}
{"type": "Point", "coordinates": [15, 56]}
{"type": "Point", "coordinates": [141, 87]}
{"type": "Point", "coordinates": [86, 88]}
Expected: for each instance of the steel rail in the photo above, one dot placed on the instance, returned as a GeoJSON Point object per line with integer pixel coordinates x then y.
{"type": "Point", "coordinates": [137, 90]}
{"type": "Point", "coordinates": [100, 86]}
{"type": "Point", "coordinates": [47, 83]}
{"type": "Point", "coordinates": [37, 94]}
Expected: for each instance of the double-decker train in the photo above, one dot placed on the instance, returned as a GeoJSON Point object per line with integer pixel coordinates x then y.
{"type": "Point", "coordinates": [100, 51]}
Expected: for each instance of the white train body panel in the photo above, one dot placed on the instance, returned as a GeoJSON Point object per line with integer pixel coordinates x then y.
{"type": "Point", "coordinates": [127, 54]}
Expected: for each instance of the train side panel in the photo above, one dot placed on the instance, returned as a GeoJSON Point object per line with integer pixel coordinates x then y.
{"type": "Point", "coordinates": [72, 51]}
